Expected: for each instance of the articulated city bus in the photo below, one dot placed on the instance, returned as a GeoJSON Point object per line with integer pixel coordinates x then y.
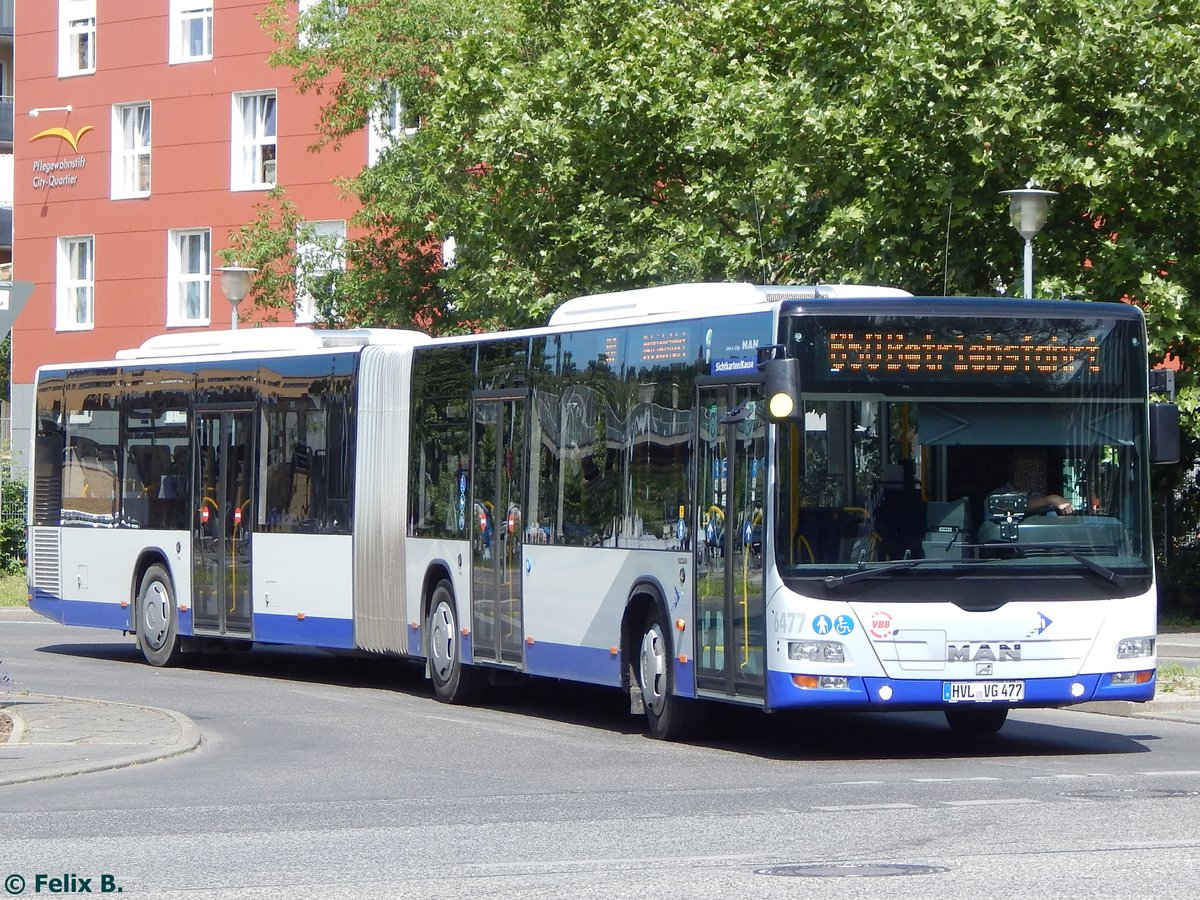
{"type": "Point", "coordinates": [783, 497]}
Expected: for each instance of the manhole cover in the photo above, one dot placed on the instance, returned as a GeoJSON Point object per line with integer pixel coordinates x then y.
{"type": "Point", "coordinates": [1130, 794]}
{"type": "Point", "coordinates": [849, 870]}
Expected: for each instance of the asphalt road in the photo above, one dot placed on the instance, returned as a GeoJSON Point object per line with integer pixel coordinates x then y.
{"type": "Point", "coordinates": [334, 777]}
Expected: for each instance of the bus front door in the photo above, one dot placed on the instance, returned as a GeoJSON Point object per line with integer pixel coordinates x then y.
{"type": "Point", "coordinates": [221, 522]}
{"type": "Point", "coordinates": [731, 449]}
{"type": "Point", "coordinates": [498, 481]}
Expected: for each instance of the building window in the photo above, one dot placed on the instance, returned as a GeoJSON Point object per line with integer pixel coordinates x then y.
{"type": "Point", "coordinates": [390, 122]}
{"type": "Point", "coordinates": [76, 37]}
{"type": "Point", "coordinates": [320, 258]}
{"type": "Point", "coordinates": [131, 150]}
{"type": "Point", "coordinates": [254, 141]}
{"type": "Point", "coordinates": [191, 30]}
{"type": "Point", "coordinates": [189, 277]}
{"type": "Point", "coordinates": [76, 283]}
{"type": "Point", "coordinates": [317, 20]}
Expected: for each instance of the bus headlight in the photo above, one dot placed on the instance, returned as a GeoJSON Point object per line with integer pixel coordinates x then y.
{"type": "Point", "coordinates": [816, 651]}
{"type": "Point", "coordinates": [1132, 648]}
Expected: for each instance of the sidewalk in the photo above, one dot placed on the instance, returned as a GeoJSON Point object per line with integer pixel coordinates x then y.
{"type": "Point", "coordinates": [57, 736]}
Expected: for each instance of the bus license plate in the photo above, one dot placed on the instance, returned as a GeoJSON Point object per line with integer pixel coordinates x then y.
{"type": "Point", "coordinates": [983, 691]}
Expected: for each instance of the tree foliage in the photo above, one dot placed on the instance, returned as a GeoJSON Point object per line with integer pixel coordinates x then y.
{"type": "Point", "coordinates": [572, 147]}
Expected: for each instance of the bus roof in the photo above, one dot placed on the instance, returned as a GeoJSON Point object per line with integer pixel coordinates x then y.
{"type": "Point", "coordinates": [267, 340]}
{"type": "Point", "coordinates": [689, 299]}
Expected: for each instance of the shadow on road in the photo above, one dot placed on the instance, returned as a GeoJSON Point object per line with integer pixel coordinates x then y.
{"type": "Point", "coordinates": [811, 736]}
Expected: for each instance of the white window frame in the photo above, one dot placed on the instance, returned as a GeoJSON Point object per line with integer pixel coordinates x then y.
{"type": "Point", "coordinates": [303, 8]}
{"type": "Point", "coordinates": [76, 33]}
{"type": "Point", "coordinates": [388, 124]}
{"type": "Point", "coordinates": [131, 150]}
{"type": "Point", "coordinates": [254, 155]}
{"type": "Point", "coordinates": [181, 277]}
{"type": "Point", "coordinates": [186, 14]}
{"type": "Point", "coordinates": [76, 283]}
{"type": "Point", "coordinates": [314, 258]}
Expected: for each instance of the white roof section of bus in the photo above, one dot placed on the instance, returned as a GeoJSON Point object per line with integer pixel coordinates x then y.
{"type": "Point", "coordinates": [268, 340]}
{"type": "Point", "coordinates": [686, 299]}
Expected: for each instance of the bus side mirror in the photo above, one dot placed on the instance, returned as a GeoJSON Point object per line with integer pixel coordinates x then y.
{"type": "Point", "coordinates": [782, 388]}
{"type": "Point", "coordinates": [1164, 433]}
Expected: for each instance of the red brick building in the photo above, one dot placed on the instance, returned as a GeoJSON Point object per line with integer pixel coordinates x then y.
{"type": "Point", "coordinates": [145, 131]}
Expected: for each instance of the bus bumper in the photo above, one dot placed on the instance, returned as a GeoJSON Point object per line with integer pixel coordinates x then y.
{"type": "Point", "coordinates": [878, 694]}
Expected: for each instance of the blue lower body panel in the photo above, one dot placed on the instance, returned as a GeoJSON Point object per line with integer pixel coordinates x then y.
{"type": "Point", "coordinates": [864, 693]}
{"type": "Point", "coordinates": [311, 631]}
{"type": "Point", "coordinates": [81, 612]}
{"type": "Point", "coordinates": [592, 665]}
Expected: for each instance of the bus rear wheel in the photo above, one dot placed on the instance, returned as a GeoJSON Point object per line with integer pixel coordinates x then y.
{"type": "Point", "coordinates": [157, 618]}
{"type": "Point", "coordinates": [453, 681]}
{"type": "Point", "coordinates": [670, 718]}
{"type": "Point", "coordinates": [976, 720]}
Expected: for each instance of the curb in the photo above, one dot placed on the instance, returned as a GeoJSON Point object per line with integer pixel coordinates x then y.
{"type": "Point", "coordinates": [189, 739]}
{"type": "Point", "coordinates": [18, 724]}
{"type": "Point", "coordinates": [1172, 710]}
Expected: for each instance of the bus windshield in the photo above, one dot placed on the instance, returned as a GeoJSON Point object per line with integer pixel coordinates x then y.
{"type": "Point", "coordinates": [965, 445]}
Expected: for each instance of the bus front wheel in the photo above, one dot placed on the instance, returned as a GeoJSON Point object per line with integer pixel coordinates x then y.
{"type": "Point", "coordinates": [453, 681]}
{"type": "Point", "coordinates": [670, 717]}
{"type": "Point", "coordinates": [976, 720]}
{"type": "Point", "coordinates": [157, 618]}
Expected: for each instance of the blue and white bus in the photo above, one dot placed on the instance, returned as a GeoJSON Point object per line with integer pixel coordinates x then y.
{"type": "Point", "coordinates": [781, 497]}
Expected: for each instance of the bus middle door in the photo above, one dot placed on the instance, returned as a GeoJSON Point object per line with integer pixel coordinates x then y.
{"type": "Point", "coordinates": [221, 522]}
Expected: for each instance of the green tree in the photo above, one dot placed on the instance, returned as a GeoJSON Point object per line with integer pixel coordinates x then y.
{"type": "Point", "coordinates": [577, 147]}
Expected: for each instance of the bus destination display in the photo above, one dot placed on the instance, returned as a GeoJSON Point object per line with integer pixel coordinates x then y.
{"type": "Point", "coordinates": [891, 353]}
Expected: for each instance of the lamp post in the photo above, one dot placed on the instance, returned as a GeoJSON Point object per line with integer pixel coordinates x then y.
{"type": "Point", "coordinates": [235, 285]}
{"type": "Point", "coordinates": [1027, 209]}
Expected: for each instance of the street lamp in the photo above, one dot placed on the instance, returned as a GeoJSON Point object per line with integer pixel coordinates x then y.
{"type": "Point", "coordinates": [235, 285]}
{"type": "Point", "coordinates": [1027, 209]}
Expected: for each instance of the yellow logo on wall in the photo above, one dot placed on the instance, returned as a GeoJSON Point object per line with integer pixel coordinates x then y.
{"type": "Point", "coordinates": [65, 134]}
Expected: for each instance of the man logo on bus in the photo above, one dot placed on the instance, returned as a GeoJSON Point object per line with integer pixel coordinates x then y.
{"type": "Point", "coordinates": [982, 652]}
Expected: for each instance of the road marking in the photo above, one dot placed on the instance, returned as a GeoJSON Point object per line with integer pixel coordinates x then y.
{"type": "Point", "coordinates": [1011, 801]}
{"type": "Point", "coordinates": [953, 780]}
{"type": "Point", "coordinates": [853, 783]}
{"type": "Point", "coordinates": [866, 806]}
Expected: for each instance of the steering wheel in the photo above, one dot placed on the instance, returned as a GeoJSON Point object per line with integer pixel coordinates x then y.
{"type": "Point", "coordinates": [1047, 511]}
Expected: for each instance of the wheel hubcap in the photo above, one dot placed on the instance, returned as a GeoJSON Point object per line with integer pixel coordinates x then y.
{"type": "Point", "coordinates": [155, 616]}
{"type": "Point", "coordinates": [654, 669]}
{"type": "Point", "coordinates": [441, 642]}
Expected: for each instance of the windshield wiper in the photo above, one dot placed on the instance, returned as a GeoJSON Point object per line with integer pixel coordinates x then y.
{"type": "Point", "coordinates": [1066, 550]}
{"type": "Point", "coordinates": [832, 582]}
